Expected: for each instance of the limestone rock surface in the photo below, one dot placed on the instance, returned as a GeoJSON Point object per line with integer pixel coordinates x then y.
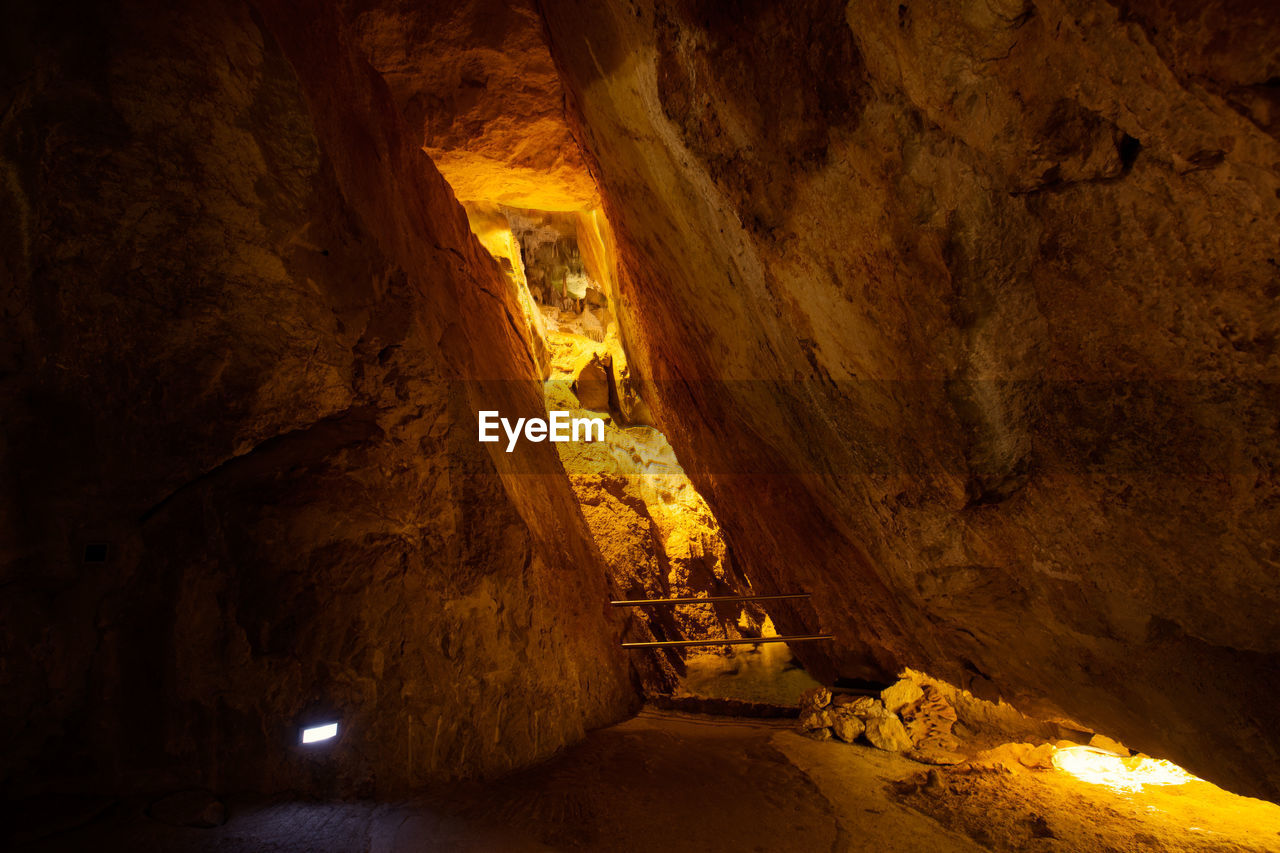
{"type": "Point", "coordinates": [1038, 758]}
{"type": "Point", "coordinates": [976, 304]}
{"type": "Point", "coordinates": [887, 733]}
{"type": "Point", "coordinates": [847, 727]}
{"type": "Point", "coordinates": [1109, 744]}
{"type": "Point", "coordinates": [935, 753]}
{"type": "Point", "coordinates": [478, 80]}
{"type": "Point", "coordinates": [900, 694]}
{"type": "Point", "coordinates": [246, 325]}
{"type": "Point", "coordinates": [929, 719]}
{"type": "Point", "coordinates": [815, 698]}
{"type": "Point", "coordinates": [867, 707]}
{"type": "Point", "coordinates": [817, 719]}
{"type": "Point", "coordinates": [1013, 758]}
{"type": "Point", "coordinates": [591, 381]}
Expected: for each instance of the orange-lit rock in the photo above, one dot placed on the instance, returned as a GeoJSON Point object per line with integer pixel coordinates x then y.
{"type": "Point", "coordinates": [901, 694]}
{"type": "Point", "coordinates": [656, 534]}
{"type": "Point", "coordinates": [591, 381]}
{"type": "Point", "coordinates": [477, 78]}
{"type": "Point", "coordinates": [847, 727]}
{"type": "Point", "coordinates": [964, 318]}
{"type": "Point", "coordinates": [887, 733]}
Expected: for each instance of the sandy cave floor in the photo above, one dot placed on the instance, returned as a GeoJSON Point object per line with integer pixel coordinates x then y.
{"type": "Point", "coordinates": [674, 782]}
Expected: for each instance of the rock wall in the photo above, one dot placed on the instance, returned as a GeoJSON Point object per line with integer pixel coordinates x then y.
{"type": "Point", "coordinates": [656, 534]}
{"type": "Point", "coordinates": [478, 79]}
{"type": "Point", "coordinates": [963, 317]}
{"type": "Point", "coordinates": [657, 537]}
{"type": "Point", "coordinates": [245, 328]}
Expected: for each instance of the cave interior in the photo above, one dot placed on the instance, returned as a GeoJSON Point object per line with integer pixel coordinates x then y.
{"type": "Point", "coordinates": [925, 356]}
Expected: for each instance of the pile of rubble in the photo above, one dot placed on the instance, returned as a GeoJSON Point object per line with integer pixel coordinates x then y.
{"type": "Point", "coordinates": [918, 717]}
{"type": "Point", "coordinates": [907, 717]}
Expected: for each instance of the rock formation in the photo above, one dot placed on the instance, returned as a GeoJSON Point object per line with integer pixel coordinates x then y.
{"type": "Point", "coordinates": [245, 327]}
{"type": "Point", "coordinates": [479, 81]}
{"type": "Point", "coordinates": [963, 317]}
{"type": "Point", "coordinates": [656, 534]}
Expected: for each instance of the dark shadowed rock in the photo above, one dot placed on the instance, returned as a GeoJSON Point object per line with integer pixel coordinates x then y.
{"type": "Point", "coordinates": [245, 327]}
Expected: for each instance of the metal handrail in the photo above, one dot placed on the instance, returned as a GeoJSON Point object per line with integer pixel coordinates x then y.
{"type": "Point", "coordinates": [740, 641]}
{"type": "Point", "coordinates": [644, 602]}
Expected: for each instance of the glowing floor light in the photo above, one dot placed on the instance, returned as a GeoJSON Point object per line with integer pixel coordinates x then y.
{"type": "Point", "coordinates": [1119, 774]}
{"type": "Point", "coordinates": [319, 733]}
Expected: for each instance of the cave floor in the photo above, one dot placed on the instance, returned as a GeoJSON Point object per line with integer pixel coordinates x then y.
{"type": "Point", "coordinates": [674, 782]}
{"type": "Point", "coordinates": [766, 673]}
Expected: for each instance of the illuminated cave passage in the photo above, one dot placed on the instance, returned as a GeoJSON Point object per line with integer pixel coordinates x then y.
{"type": "Point", "coordinates": [957, 318]}
{"type": "Point", "coordinates": [657, 537]}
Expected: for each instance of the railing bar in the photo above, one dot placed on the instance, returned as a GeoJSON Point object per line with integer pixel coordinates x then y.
{"type": "Point", "coordinates": [740, 641]}
{"type": "Point", "coordinates": [642, 602]}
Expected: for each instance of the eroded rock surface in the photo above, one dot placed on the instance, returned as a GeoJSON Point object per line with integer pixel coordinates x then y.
{"type": "Point", "coordinates": [479, 81]}
{"type": "Point", "coordinates": [976, 305]}
{"type": "Point", "coordinates": [656, 534]}
{"type": "Point", "coordinates": [962, 316]}
{"type": "Point", "coordinates": [244, 316]}
{"type": "Point", "coordinates": [887, 733]}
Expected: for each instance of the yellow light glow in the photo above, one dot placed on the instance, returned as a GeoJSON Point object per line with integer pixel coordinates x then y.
{"type": "Point", "coordinates": [475, 177]}
{"type": "Point", "coordinates": [1098, 767]}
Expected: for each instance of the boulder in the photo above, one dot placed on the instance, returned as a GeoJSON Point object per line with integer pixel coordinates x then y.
{"type": "Point", "coordinates": [817, 719]}
{"type": "Point", "coordinates": [888, 734]}
{"type": "Point", "coordinates": [591, 381]}
{"type": "Point", "coordinates": [1040, 758]}
{"type": "Point", "coordinates": [867, 707]}
{"type": "Point", "coordinates": [848, 727]}
{"type": "Point", "coordinates": [1007, 757]}
{"type": "Point", "coordinates": [930, 716]}
{"type": "Point", "coordinates": [626, 384]}
{"type": "Point", "coordinates": [898, 696]}
{"type": "Point", "coordinates": [818, 697]}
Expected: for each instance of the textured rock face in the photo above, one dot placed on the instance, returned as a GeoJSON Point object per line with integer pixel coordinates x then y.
{"type": "Point", "coordinates": [656, 535]}
{"type": "Point", "coordinates": [477, 77]}
{"type": "Point", "coordinates": [961, 315]}
{"type": "Point", "coordinates": [887, 733]}
{"type": "Point", "coordinates": [964, 317]}
{"type": "Point", "coordinates": [243, 316]}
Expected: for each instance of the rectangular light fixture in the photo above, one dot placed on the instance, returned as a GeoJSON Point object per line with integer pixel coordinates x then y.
{"type": "Point", "coordinates": [319, 733]}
